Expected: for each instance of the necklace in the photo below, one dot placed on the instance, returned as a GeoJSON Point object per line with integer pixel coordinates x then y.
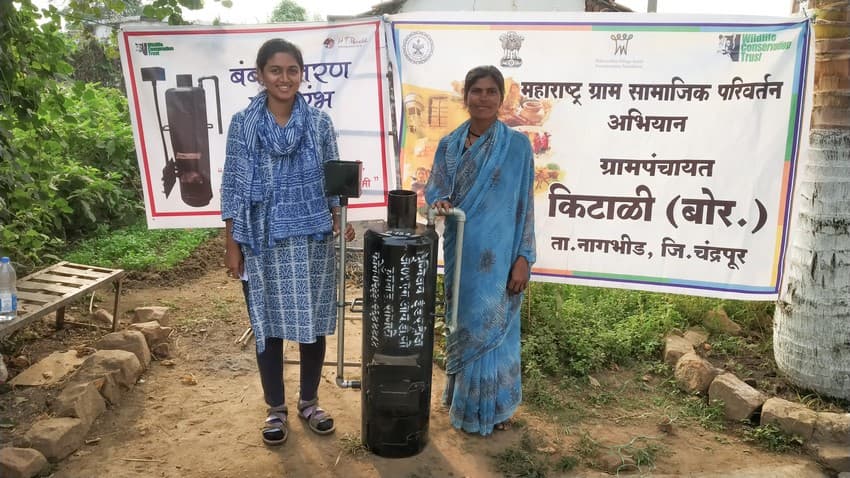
{"type": "Point", "coordinates": [470, 133]}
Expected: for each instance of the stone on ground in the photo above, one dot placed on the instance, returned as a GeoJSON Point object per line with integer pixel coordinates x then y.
{"type": "Point", "coordinates": [740, 401]}
{"type": "Point", "coordinates": [57, 438]}
{"type": "Point", "coordinates": [49, 370]}
{"type": "Point", "coordinates": [129, 340]}
{"type": "Point", "coordinates": [21, 462]}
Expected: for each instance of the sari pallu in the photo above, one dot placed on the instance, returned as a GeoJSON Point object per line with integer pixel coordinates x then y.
{"type": "Point", "coordinates": [492, 183]}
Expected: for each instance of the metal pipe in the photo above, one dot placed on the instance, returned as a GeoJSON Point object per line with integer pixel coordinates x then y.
{"type": "Point", "coordinates": [340, 305]}
{"type": "Point", "coordinates": [460, 217]}
{"type": "Point", "coordinates": [342, 383]}
{"type": "Point", "coordinates": [393, 122]}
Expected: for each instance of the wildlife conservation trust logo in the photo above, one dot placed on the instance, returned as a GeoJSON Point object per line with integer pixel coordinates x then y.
{"type": "Point", "coordinates": [345, 40]}
{"type": "Point", "coordinates": [511, 43]}
{"type": "Point", "coordinates": [749, 47]}
{"type": "Point", "coordinates": [418, 47]}
{"type": "Point", "coordinates": [152, 49]}
{"type": "Point", "coordinates": [621, 43]}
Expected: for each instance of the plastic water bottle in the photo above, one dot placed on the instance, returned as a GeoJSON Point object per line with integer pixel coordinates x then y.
{"type": "Point", "coordinates": [8, 291]}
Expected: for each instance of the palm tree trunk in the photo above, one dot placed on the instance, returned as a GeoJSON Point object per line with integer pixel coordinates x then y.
{"type": "Point", "coordinates": [811, 334]}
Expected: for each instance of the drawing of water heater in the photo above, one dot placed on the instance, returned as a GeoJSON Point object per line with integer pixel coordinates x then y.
{"type": "Point", "coordinates": [186, 109]}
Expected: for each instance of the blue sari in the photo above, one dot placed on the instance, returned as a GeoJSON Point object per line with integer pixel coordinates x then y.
{"type": "Point", "coordinates": [492, 182]}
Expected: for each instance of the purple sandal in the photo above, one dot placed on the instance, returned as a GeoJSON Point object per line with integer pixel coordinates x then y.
{"type": "Point", "coordinates": [275, 430]}
{"type": "Point", "coordinates": [317, 419]}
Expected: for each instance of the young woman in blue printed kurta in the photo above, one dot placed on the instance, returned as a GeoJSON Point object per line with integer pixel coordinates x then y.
{"type": "Point", "coordinates": [279, 230]}
{"type": "Point", "coordinates": [486, 169]}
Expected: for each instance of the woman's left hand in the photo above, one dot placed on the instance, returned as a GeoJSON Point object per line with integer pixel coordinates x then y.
{"type": "Point", "coordinates": [349, 230]}
{"type": "Point", "coordinates": [519, 276]}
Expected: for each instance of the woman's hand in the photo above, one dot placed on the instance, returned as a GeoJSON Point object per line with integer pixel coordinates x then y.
{"type": "Point", "coordinates": [233, 261]}
{"type": "Point", "coordinates": [518, 280]}
{"type": "Point", "coordinates": [442, 206]}
{"type": "Point", "coordinates": [349, 229]}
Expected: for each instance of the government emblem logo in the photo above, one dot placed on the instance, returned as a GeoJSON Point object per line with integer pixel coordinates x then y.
{"type": "Point", "coordinates": [511, 43]}
{"type": "Point", "coordinates": [418, 47]}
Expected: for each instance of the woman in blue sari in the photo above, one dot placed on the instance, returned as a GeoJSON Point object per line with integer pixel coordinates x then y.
{"type": "Point", "coordinates": [487, 170]}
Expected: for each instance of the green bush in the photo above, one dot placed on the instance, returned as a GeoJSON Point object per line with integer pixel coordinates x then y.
{"type": "Point", "coordinates": [575, 330]}
{"type": "Point", "coordinates": [82, 176]}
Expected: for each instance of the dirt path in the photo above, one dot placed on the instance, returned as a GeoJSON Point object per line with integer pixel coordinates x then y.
{"type": "Point", "coordinates": [166, 428]}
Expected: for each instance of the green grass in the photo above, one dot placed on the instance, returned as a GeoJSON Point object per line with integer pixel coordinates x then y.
{"type": "Point", "coordinates": [724, 345]}
{"type": "Point", "coordinates": [587, 449]}
{"type": "Point", "coordinates": [522, 460]}
{"type": "Point", "coordinates": [566, 463]}
{"type": "Point", "coordinates": [576, 330]}
{"type": "Point", "coordinates": [353, 446]}
{"type": "Point", "coordinates": [137, 248]}
{"type": "Point", "coordinates": [709, 415]}
{"type": "Point", "coordinates": [642, 451]}
{"type": "Point", "coordinates": [772, 438]}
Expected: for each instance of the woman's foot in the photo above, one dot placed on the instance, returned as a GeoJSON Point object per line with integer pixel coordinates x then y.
{"type": "Point", "coordinates": [503, 426]}
{"type": "Point", "coordinates": [275, 430]}
{"type": "Point", "coordinates": [317, 419]}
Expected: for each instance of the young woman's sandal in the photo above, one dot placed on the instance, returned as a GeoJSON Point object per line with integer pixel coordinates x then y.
{"type": "Point", "coordinates": [317, 419]}
{"type": "Point", "coordinates": [275, 430]}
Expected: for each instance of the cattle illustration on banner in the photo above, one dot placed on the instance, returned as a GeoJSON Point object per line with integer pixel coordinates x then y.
{"type": "Point", "coordinates": [665, 153]}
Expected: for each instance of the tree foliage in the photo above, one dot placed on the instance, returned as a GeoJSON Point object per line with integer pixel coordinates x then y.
{"type": "Point", "coordinates": [67, 161]}
{"type": "Point", "coordinates": [288, 11]}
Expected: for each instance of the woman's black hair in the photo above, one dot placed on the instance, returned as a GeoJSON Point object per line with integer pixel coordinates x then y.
{"type": "Point", "coordinates": [278, 45]}
{"type": "Point", "coordinates": [483, 71]}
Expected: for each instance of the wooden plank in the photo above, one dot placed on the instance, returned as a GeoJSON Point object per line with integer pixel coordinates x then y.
{"type": "Point", "coordinates": [33, 286]}
{"type": "Point", "coordinates": [77, 281]}
{"type": "Point", "coordinates": [79, 272]}
{"type": "Point", "coordinates": [76, 268]}
{"type": "Point", "coordinates": [58, 264]}
{"type": "Point", "coordinates": [34, 297]}
{"type": "Point", "coordinates": [33, 312]}
{"type": "Point", "coordinates": [91, 268]}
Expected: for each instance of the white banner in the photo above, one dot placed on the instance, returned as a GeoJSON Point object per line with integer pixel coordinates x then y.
{"type": "Point", "coordinates": [665, 146]}
{"type": "Point", "coordinates": [185, 83]}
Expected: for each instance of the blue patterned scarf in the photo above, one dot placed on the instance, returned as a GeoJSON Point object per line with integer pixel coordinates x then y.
{"type": "Point", "coordinates": [296, 200]}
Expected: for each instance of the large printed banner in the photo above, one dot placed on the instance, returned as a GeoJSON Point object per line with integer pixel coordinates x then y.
{"type": "Point", "coordinates": [665, 148]}
{"type": "Point", "coordinates": [185, 83]}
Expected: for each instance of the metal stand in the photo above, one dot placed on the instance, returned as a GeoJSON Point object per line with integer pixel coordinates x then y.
{"type": "Point", "coordinates": [340, 305]}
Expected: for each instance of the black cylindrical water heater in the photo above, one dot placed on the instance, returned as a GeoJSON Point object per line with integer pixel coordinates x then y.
{"type": "Point", "coordinates": [186, 106]}
{"type": "Point", "coordinates": [399, 284]}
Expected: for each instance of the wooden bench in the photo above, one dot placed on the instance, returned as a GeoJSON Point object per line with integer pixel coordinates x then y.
{"type": "Point", "coordinates": [51, 289]}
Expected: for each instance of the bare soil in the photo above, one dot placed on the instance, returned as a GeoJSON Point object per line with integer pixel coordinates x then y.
{"type": "Point", "coordinates": [200, 413]}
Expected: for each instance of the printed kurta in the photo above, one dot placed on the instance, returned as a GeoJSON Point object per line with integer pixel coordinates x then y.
{"type": "Point", "coordinates": [492, 182]}
{"type": "Point", "coordinates": [291, 281]}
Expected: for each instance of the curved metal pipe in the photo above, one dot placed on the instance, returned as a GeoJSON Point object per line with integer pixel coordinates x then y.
{"type": "Point", "coordinates": [342, 383]}
{"type": "Point", "coordinates": [460, 217]}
